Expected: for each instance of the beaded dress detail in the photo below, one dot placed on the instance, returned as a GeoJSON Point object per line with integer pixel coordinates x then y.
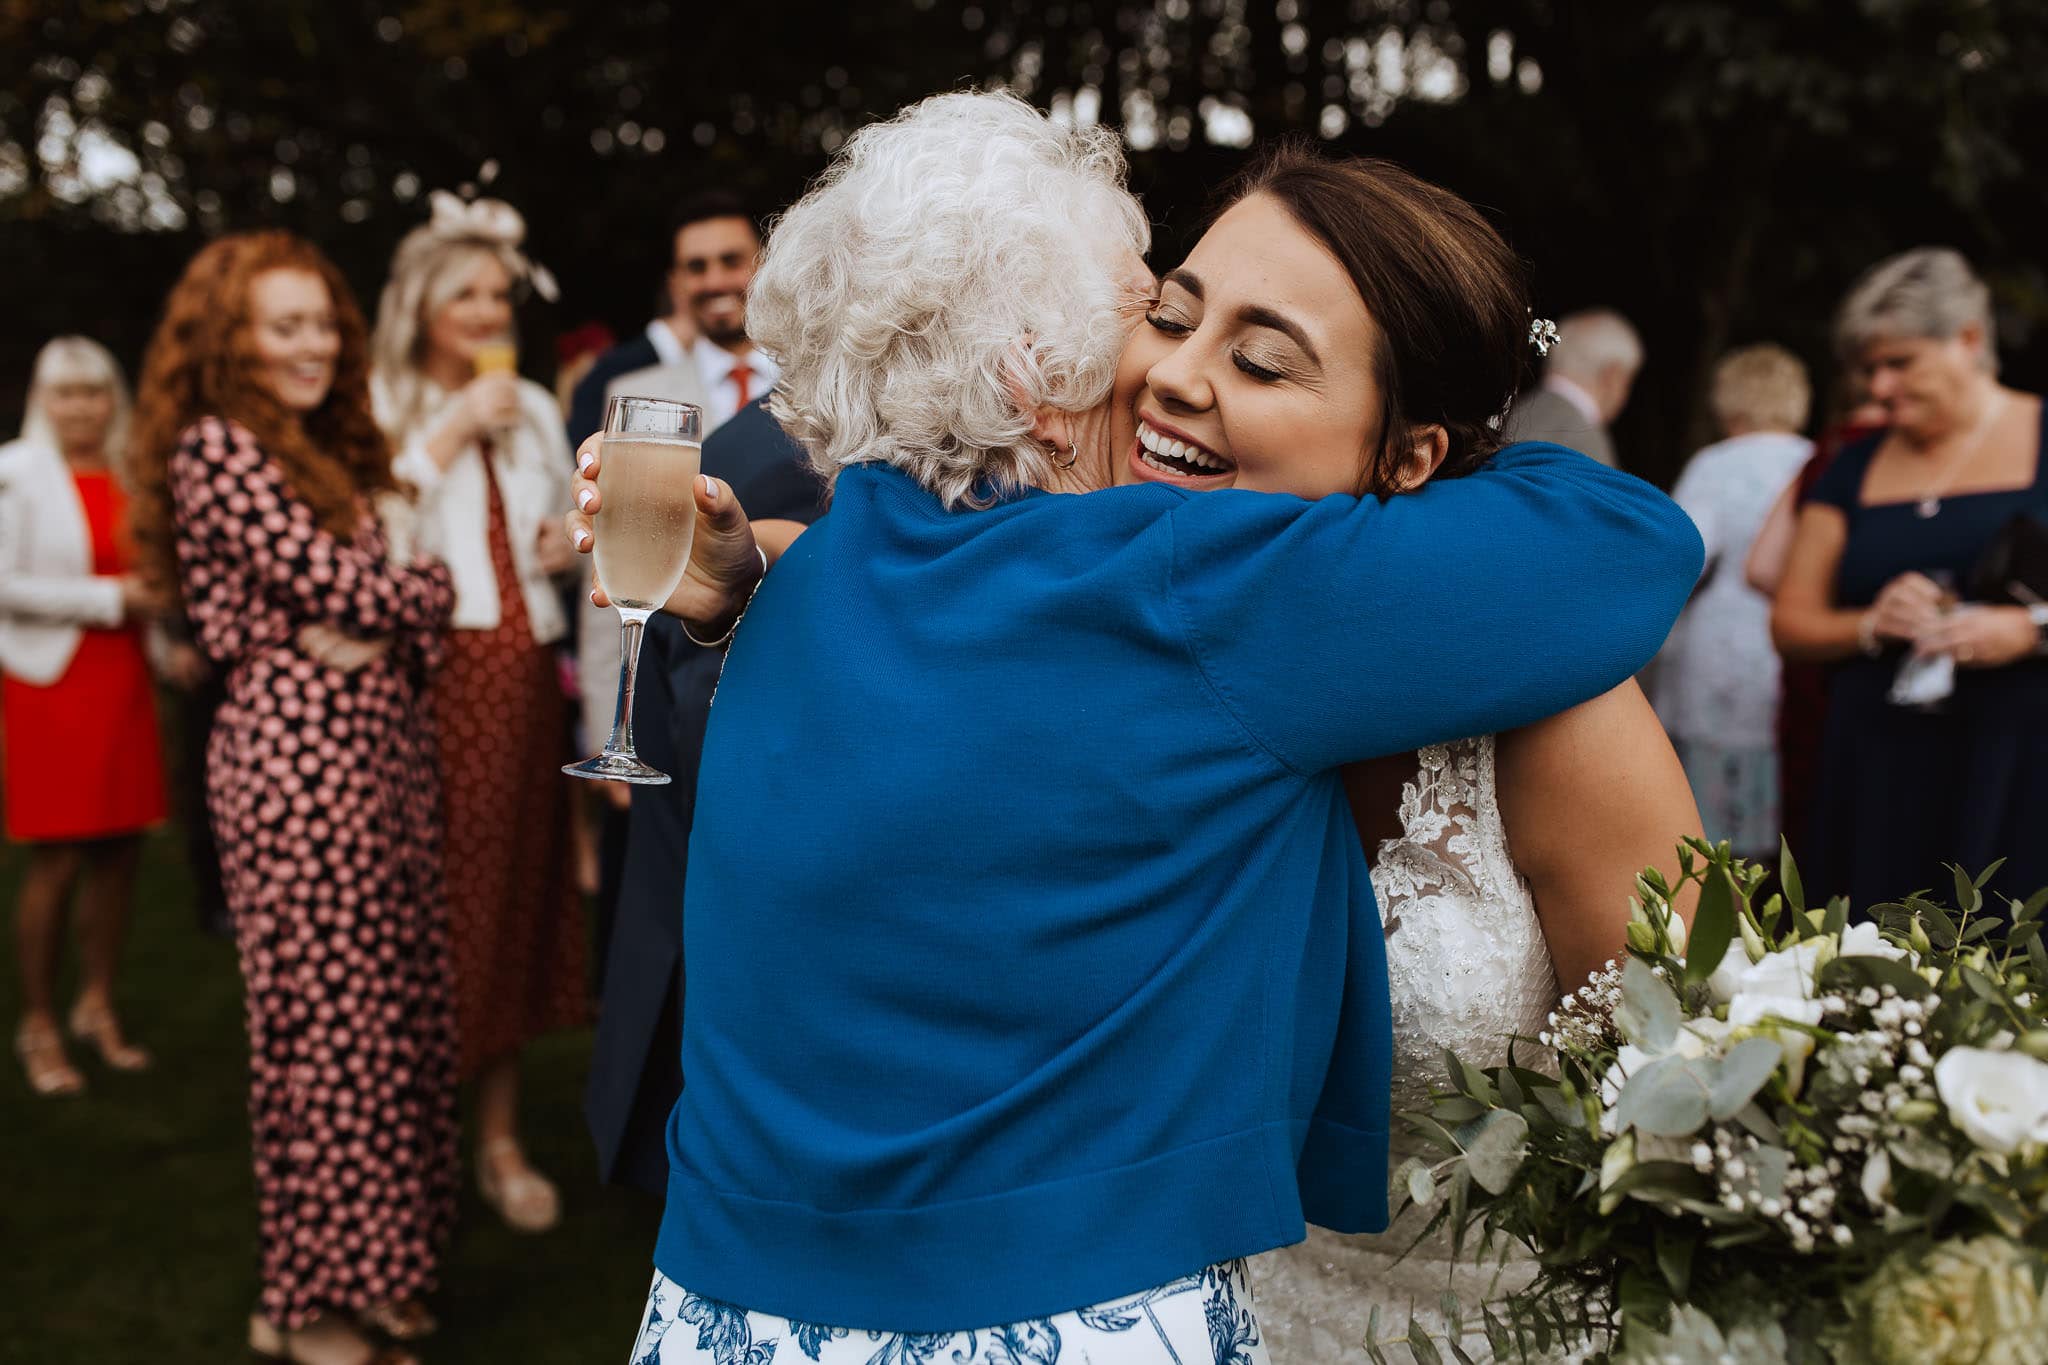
{"type": "Point", "coordinates": [1467, 968]}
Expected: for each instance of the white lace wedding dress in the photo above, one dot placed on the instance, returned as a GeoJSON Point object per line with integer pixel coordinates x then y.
{"type": "Point", "coordinates": [1467, 967]}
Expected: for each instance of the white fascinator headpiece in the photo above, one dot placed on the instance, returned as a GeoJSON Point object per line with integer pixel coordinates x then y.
{"type": "Point", "coordinates": [495, 223]}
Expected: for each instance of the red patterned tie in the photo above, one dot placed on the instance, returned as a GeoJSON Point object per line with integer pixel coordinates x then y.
{"type": "Point", "coordinates": [740, 375]}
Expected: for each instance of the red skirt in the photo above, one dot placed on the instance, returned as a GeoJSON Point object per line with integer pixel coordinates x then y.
{"type": "Point", "coordinates": [82, 758]}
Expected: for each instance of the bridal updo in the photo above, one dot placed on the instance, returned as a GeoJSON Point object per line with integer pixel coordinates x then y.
{"type": "Point", "coordinates": [956, 267]}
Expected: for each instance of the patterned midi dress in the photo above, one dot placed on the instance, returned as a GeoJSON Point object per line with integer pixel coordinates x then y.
{"type": "Point", "coordinates": [520, 944]}
{"type": "Point", "coordinates": [326, 803]}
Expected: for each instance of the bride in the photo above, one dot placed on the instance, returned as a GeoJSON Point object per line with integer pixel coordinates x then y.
{"type": "Point", "coordinates": [1502, 864]}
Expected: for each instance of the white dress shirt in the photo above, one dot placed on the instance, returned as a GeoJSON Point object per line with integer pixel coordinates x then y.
{"type": "Point", "coordinates": [666, 346]}
{"type": "Point", "coordinates": [532, 467]}
{"type": "Point", "coordinates": [721, 389]}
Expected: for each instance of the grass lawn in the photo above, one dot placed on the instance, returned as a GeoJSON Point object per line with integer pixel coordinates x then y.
{"type": "Point", "coordinates": [127, 1221]}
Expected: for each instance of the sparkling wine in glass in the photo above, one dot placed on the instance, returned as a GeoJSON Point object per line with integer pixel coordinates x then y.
{"type": "Point", "coordinates": [649, 456]}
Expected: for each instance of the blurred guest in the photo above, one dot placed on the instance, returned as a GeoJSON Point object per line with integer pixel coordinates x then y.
{"type": "Point", "coordinates": [82, 764]}
{"type": "Point", "coordinates": [257, 456]}
{"type": "Point", "coordinates": [699, 353]}
{"type": "Point", "coordinates": [484, 449]}
{"type": "Point", "coordinates": [1586, 384]}
{"type": "Point", "coordinates": [634, 1077]}
{"type": "Point", "coordinates": [1947, 760]}
{"type": "Point", "coordinates": [1717, 680]}
{"type": "Point", "coordinates": [1802, 687]}
{"type": "Point", "coordinates": [576, 351]}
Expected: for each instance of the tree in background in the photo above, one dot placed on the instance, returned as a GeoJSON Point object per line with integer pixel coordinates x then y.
{"type": "Point", "coordinates": [1717, 170]}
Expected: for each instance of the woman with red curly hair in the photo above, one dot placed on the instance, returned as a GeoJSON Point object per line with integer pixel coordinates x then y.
{"type": "Point", "coordinates": [257, 459]}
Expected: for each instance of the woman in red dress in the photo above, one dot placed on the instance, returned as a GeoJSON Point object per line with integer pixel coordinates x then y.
{"type": "Point", "coordinates": [83, 770]}
{"type": "Point", "coordinates": [484, 452]}
{"type": "Point", "coordinates": [258, 457]}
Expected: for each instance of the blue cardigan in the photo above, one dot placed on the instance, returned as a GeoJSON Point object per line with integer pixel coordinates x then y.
{"type": "Point", "coordinates": [1034, 959]}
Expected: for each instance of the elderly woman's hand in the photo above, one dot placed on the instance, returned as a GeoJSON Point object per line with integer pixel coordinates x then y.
{"type": "Point", "coordinates": [1981, 636]}
{"type": "Point", "coordinates": [725, 563]}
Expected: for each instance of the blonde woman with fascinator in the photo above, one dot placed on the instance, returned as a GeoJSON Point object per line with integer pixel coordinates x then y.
{"type": "Point", "coordinates": [83, 770]}
{"type": "Point", "coordinates": [484, 452]}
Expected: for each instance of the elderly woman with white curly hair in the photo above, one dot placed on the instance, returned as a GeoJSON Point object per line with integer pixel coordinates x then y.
{"type": "Point", "coordinates": [1035, 976]}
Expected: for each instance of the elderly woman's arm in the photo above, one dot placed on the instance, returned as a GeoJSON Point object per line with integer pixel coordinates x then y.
{"type": "Point", "coordinates": [1343, 629]}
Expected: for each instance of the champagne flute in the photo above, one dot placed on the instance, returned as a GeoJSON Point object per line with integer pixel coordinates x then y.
{"type": "Point", "coordinates": [650, 452]}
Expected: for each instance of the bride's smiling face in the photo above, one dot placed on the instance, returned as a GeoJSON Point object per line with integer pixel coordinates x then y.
{"type": "Point", "coordinates": [1254, 369]}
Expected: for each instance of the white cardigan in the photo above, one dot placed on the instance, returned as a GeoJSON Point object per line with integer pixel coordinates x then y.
{"type": "Point", "coordinates": [451, 520]}
{"type": "Point", "coordinates": [48, 591]}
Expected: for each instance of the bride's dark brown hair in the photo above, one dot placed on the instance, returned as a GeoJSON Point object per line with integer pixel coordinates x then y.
{"type": "Point", "coordinates": [201, 363]}
{"type": "Point", "coordinates": [1448, 299]}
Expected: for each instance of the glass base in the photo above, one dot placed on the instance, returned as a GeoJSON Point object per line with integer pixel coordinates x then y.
{"type": "Point", "coordinates": [617, 767]}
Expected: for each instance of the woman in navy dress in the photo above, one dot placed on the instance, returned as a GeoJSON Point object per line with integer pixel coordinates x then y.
{"type": "Point", "coordinates": [1884, 553]}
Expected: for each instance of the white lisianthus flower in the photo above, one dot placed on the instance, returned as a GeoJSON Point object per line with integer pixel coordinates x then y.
{"type": "Point", "coordinates": [1999, 1099]}
{"type": "Point", "coordinates": [1863, 940]}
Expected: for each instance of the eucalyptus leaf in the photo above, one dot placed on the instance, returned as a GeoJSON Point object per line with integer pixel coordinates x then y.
{"type": "Point", "coordinates": [1648, 1013]}
{"type": "Point", "coordinates": [1983, 878]}
{"type": "Point", "coordinates": [1743, 1072]}
{"type": "Point", "coordinates": [1421, 1185]}
{"type": "Point", "coordinates": [1494, 1153]}
{"type": "Point", "coordinates": [1425, 1350]}
{"type": "Point", "coordinates": [1667, 1098]}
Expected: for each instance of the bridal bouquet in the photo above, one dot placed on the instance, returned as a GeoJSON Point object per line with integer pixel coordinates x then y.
{"type": "Point", "coordinates": [1789, 1139]}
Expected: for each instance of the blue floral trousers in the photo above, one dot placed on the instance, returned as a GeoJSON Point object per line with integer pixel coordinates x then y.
{"type": "Point", "coordinates": [1201, 1319]}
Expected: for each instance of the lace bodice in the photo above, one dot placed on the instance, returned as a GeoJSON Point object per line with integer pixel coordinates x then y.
{"type": "Point", "coordinates": [1468, 967]}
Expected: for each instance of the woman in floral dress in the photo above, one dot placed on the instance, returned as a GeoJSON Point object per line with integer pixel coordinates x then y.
{"type": "Point", "coordinates": [258, 454]}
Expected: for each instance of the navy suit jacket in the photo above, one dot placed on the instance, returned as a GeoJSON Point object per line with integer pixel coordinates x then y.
{"type": "Point", "coordinates": [634, 1075]}
{"type": "Point", "coordinates": [586, 400]}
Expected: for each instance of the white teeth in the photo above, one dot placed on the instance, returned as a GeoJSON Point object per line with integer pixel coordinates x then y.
{"type": "Point", "coordinates": [1158, 443]}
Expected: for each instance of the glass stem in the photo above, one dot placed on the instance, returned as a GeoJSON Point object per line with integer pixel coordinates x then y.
{"type": "Point", "coordinates": [632, 624]}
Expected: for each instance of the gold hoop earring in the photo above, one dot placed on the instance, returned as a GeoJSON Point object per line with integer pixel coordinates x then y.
{"type": "Point", "coordinates": [1073, 454]}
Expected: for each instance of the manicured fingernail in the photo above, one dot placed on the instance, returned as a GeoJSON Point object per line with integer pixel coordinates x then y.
{"type": "Point", "coordinates": [593, 598]}
{"type": "Point", "coordinates": [582, 539]}
{"type": "Point", "coordinates": [711, 488]}
{"type": "Point", "coordinates": [585, 459]}
{"type": "Point", "coordinates": [584, 498]}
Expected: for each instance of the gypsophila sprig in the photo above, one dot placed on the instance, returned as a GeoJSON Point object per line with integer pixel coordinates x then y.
{"type": "Point", "coordinates": [1774, 1136]}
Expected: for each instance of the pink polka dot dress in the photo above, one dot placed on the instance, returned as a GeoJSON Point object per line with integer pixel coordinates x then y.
{"type": "Point", "coordinates": [326, 803]}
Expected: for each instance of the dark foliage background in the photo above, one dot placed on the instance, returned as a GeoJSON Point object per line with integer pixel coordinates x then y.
{"type": "Point", "coordinates": [1717, 170]}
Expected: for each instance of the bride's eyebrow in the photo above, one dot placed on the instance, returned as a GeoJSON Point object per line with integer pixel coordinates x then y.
{"type": "Point", "coordinates": [1256, 314]}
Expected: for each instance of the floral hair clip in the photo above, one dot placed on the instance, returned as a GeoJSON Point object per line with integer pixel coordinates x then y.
{"type": "Point", "coordinates": [1542, 335]}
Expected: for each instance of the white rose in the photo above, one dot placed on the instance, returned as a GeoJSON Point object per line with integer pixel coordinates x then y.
{"type": "Point", "coordinates": [1863, 940]}
{"type": "Point", "coordinates": [2000, 1099]}
{"type": "Point", "coordinates": [1726, 979]}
